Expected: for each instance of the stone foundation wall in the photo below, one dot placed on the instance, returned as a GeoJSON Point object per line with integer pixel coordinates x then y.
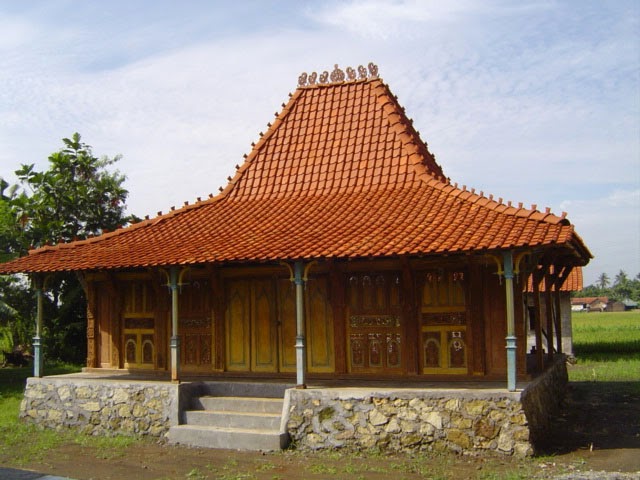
{"type": "Point", "coordinates": [101, 408]}
{"type": "Point", "coordinates": [460, 420]}
{"type": "Point", "coordinates": [543, 398]}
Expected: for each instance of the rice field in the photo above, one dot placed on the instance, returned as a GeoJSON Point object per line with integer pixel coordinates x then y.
{"type": "Point", "coordinates": [606, 346]}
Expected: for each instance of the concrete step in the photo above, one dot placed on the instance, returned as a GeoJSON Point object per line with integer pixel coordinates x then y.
{"type": "Point", "coordinates": [229, 438]}
{"type": "Point", "coordinates": [230, 419]}
{"type": "Point", "coordinates": [239, 404]}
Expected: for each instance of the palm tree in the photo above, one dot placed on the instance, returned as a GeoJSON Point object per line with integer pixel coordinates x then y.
{"type": "Point", "coordinates": [621, 278]}
{"type": "Point", "coordinates": [603, 281]}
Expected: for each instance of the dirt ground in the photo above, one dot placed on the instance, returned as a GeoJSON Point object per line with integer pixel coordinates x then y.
{"type": "Point", "coordinates": [598, 430]}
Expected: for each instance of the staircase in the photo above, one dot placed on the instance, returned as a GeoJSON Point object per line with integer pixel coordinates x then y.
{"type": "Point", "coordinates": [237, 421]}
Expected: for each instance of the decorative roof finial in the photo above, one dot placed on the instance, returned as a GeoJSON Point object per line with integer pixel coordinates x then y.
{"type": "Point", "coordinates": [338, 75]}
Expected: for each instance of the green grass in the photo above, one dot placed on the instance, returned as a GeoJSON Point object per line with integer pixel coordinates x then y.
{"type": "Point", "coordinates": [607, 347]}
{"type": "Point", "coordinates": [13, 432]}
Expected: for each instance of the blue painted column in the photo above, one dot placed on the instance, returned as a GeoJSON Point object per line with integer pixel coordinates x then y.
{"type": "Point", "coordinates": [511, 337]}
{"type": "Point", "coordinates": [38, 359]}
{"type": "Point", "coordinates": [175, 340]}
{"type": "Point", "coordinates": [301, 354]}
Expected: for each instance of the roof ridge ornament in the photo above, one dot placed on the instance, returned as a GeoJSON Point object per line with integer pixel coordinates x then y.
{"type": "Point", "coordinates": [338, 75]}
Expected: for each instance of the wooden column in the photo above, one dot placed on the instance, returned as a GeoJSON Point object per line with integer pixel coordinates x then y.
{"type": "Point", "coordinates": [548, 283]}
{"type": "Point", "coordinates": [561, 277]}
{"type": "Point", "coordinates": [511, 335]}
{"type": "Point", "coordinates": [92, 327]}
{"type": "Point", "coordinates": [537, 276]}
{"type": "Point", "coordinates": [38, 283]}
{"type": "Point", "coordinates": [175, 339]}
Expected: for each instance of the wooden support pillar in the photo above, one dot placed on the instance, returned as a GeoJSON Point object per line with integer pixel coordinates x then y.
{"type": "Point", "coordinates": [92, 328]}
{"type": "Point", "coordinates": [38, 358]}
{"type": "Point", "coordinates": [175, 339]}
{"type": "Point", "coordinates": [511, 335]}
{"type": "Point", "coordinates": [548, 282]}
{"type": "Point", "coordinates": [560, 278]}
{"type": "Point", "coordinates": [301, 348]}
{"type": "Point", "coordinates": [536, 279]}
{"type": "Point", "coordinates": [558, 317]}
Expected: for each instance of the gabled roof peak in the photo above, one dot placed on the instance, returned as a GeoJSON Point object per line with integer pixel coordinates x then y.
{"type": "Point", "coordinates": [338, 75]}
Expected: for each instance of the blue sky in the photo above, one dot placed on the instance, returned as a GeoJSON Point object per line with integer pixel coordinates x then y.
{"type": "Point", "coordinates": [534, 101]}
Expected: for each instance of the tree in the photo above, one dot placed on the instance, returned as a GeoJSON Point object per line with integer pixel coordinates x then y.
{"type": "Point", "coordinates": [76, 197]}
{"type": "Point", "coordinates": [622, 287]}
{"type": "Point", "coordinates": [603, 281]}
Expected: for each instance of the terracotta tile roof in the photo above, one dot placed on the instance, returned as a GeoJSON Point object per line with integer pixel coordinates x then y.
{"type": "Point", "coordinates": [588, 300]}
{"type": "Point", "coordinates": [340, 173]}
{"type": "Point", "coordinates": [573, 282]}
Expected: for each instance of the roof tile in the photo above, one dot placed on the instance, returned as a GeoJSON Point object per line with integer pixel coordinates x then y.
{"type": "Point", "coordinates": [339, 173]}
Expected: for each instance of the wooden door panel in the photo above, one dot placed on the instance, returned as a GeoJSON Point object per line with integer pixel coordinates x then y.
{"type": "Point", "coordinates": [375, 323]}
{"type": "Point", "coordinates": [319, 316]}
{"type": "Point", "coordinates": [237, 319]}
{"type": "Point", "coordinates": [263, 327]}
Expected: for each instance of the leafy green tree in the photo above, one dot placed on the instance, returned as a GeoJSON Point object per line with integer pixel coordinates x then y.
{"type": "Point", "coordinates": [77, 196]}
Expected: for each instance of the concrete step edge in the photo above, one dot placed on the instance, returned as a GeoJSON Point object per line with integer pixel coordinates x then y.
{"type": "Point", "coordinates": [209, 428]}
{"type": "Point", "coordinates": [237, 413]}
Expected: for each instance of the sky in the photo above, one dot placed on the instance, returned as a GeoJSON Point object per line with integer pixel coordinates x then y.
{"type": "Point", "coordinates": [532, 101]}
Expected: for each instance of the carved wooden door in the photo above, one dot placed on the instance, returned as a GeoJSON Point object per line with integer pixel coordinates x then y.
{"type": "Point", "coordinates": [375, 323]}
{"type": "Point", "coordinates": [138, 319]}
{"type": "Point", "coordinates": [261, 326]}
{"type": "Point", "coordinates": [443, 322]}
{"type": "Point", "coordinates": [195, 326]}
{"type": "Point", "coordinates": [251, 326]}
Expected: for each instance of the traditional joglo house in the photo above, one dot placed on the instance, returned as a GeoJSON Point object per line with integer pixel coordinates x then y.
{"type": "Point", "coordinates": [339, 254]}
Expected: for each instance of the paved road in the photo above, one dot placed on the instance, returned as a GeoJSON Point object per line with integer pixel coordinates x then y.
{"type": "Point", "coordinates": [15, 474]}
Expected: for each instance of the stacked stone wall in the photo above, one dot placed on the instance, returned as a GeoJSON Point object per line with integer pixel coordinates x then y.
{"type": "Point", "coordinates": [101, 408]}
{"type": "Point", "coordinates": [458, 420]}
{"type": "Point", "coordinates": [543, 397]}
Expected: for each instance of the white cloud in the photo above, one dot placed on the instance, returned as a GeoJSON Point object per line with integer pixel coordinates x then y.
{"type": "Point", "coordinates": [533, 102]}
{"type": "Point", "coordinates": [610, 225]}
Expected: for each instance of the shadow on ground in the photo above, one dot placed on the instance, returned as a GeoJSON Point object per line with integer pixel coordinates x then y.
{"type": "Point", "coordinates": [599, 415]}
